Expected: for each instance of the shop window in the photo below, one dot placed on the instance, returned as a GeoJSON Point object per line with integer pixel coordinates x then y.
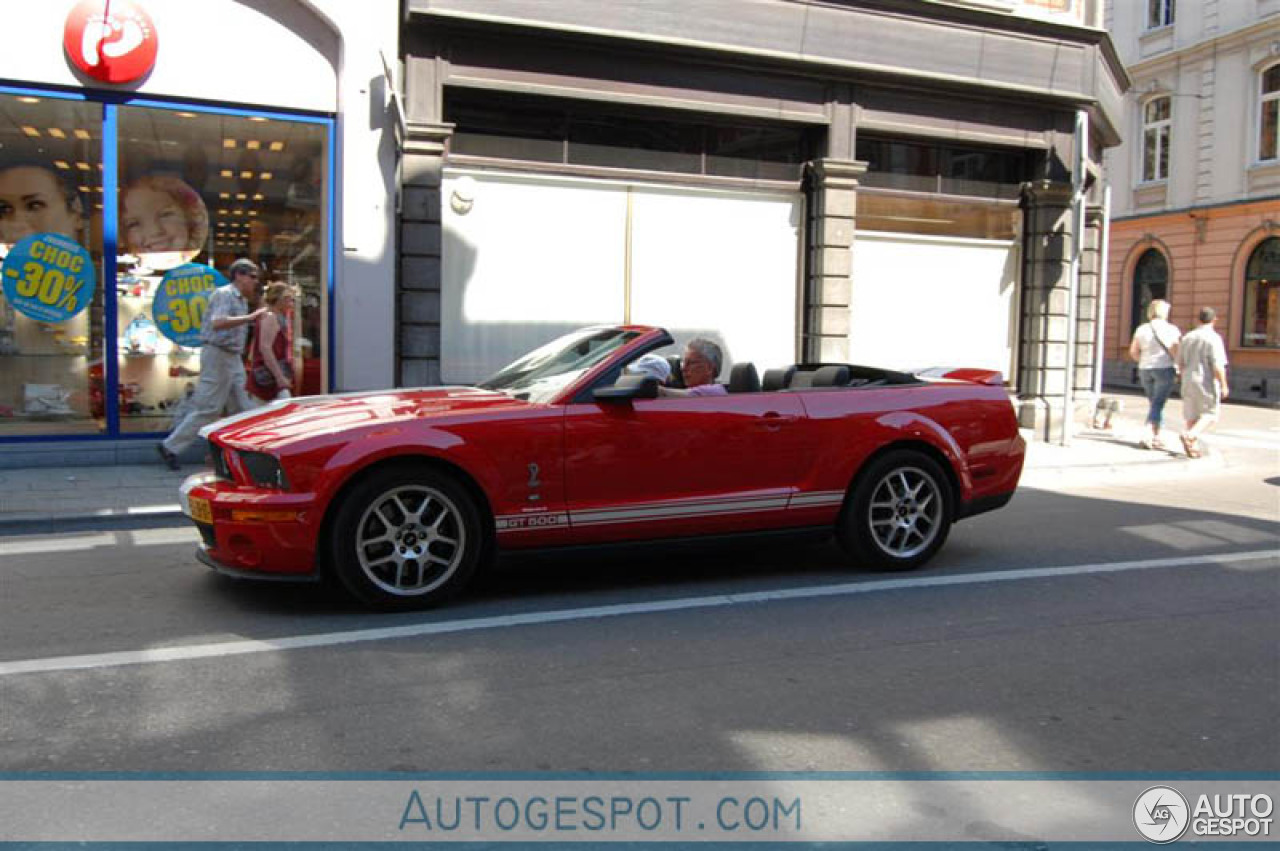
{"type": "Point", "coordinates": [1160, 13]}
{"type": "Point", "coordinates": [763, 153]}
{"type": "Point", "coordinates": [940, 168]}
{"type": "Point", "coordinates": [1157, 121]}
{"type": "Point", "coordinates": [1262, 296]}
{"type": "Point", "coordinates": [934, 217]}
{"type": "Point", "coordinates": [205, 189]}
{"type": "Point", "coordinates": [51, 312]}
{"type": "Point", "coordinates": [582, 133]}
{"type": "Point", "coordinates": [506, 130]}
{"type": "Point", "coordinates": [899, 165]}
{"type": "Point", "coordinates": [623, 142]}
{"type": "Point", "coordinates": [1150, 281]}
{"type": "Point", "coordinates": [1269, 114]}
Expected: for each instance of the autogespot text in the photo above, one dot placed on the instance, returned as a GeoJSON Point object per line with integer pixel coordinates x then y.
{"type": "Point", "coordinates": [482, 814]}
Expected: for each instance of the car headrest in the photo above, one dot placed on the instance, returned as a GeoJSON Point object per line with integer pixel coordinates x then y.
{"type": "Point", "coordinates": [743, 378]}
{"type": "Point", "coordinates": [677, 375]}
{"type": "Point", "coordinates": [802, 379]}
{"type": "Point", "coordinates": [831, 376]}
{"type": "Point", "coordinates": [777, 379]}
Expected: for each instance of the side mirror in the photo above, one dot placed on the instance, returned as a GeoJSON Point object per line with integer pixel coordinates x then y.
{"type": "Point", "coordinates": [628, 387]}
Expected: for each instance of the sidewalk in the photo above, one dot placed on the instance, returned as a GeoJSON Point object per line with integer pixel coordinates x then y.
{"type": "Point", "coordinates": [49, 498]}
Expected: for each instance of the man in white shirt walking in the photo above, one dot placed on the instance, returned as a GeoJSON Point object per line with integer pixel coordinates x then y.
{"type": "Point", "coordinates": [222, 377]}
{"type": "Point", "coordinates": [1203, 360]}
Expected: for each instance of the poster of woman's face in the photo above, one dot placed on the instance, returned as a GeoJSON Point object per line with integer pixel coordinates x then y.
{"type": "Point", "coordinates": [34, 200]}
{"type": "Point", "coordinates": [163, 221]}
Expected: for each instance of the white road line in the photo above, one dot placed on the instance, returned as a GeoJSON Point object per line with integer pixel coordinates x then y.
{"type": "Point", "coordinates": [67, 544]}
{"type": "Point", "coordinates": [330, 639]}
{"type": "Point", "coordinates": [26, 545]}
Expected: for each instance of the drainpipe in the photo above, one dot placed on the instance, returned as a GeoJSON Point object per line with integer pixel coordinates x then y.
{"type": "Point", "coordinates": [1073, 277]}
{"type": "Point", "coordinates": [1100, 343]}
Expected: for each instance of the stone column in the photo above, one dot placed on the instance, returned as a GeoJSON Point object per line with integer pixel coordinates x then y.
{"type": "Point", "coordinates": [1042, 366]}
{"type": "Point", "coordinates": [1088, 307]}
{"type": "Point", "coordinates": [833, 193]}
{"type": "Point", "coordinates": [418, 296]}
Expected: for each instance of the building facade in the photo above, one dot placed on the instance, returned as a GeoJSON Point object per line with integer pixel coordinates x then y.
{"type": "Point", "coordinates": [449, 182]}
{"type": "Point", "coordinates": [1196, 186]}
{"type": "Point", "coordinates": [145, 146]}
{"type": "Point", "coordinates": [896, 183]}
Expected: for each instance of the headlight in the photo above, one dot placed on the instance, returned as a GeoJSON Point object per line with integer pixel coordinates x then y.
{"type": "Point", "coordinates": [220, 468]}
{"type": "Point", "coordinates": [264, 469]}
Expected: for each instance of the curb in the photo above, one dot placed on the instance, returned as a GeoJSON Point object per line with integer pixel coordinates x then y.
{"type": "Point", "coordinates": [105, 520]}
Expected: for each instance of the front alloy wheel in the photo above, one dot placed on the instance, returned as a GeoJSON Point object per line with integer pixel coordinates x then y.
{"type": "Point", "coordinates": [410, 540]}
{"type": "Point", "coordinates": [406, 539]}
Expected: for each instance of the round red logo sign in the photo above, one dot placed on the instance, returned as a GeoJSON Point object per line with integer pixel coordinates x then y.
{"type": "Point", "coordinates": [110, 40]}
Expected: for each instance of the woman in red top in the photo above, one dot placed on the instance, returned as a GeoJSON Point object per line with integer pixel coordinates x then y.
{"type": "Point", "coordinates": [271, 362]}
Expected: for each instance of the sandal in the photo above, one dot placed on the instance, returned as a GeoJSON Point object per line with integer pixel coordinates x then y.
{"type": "Point", "coordinates": [1191, 445]}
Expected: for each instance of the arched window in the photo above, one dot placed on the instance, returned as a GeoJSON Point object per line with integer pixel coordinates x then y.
{"type": "Point", "coordinates": [1262, 295]}
{"type": "Point", "coordinates": [1269, 114]}
{"type": "Point", "coordinates": [1150, 281]}
{"type": "Point", "coordinates": [1157, 122]}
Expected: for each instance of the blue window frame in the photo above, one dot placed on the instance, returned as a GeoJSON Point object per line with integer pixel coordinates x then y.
{"type": "Point", "coordinates": [145, 186]}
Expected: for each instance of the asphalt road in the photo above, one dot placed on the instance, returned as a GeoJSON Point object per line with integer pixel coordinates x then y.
{"type": "Point", "coordinates": [1127, 623]}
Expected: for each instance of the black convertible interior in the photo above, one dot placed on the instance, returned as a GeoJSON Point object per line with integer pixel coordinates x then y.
{"type": "Point", "coordinates": [743, 377]}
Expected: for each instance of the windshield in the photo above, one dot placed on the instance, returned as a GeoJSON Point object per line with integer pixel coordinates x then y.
{"type": "Point", "coordinates": [540, 375]}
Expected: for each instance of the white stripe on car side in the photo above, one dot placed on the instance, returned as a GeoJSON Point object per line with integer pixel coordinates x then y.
{"type": "Point", "coordinates": [666, 510]}
{"type": "Point", "coordinates": [655, 511]}
{"type": "Point", "coordinates": [817, 499]}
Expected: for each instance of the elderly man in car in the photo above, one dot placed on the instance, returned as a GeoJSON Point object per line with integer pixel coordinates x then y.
{"type": "Point", "coordinates": [699, 366]}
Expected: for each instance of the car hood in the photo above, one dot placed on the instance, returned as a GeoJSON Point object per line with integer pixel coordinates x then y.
{"type": "Point", "coordinates": [282, 423]}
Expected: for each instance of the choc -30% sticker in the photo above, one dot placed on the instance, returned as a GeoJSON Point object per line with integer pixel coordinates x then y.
{"type": "Point", "coordinates": [187, 301]}
{"type": "Point", "coordinates": [53, 276]}
{"type": "Point", "coordinates": [182, 299]}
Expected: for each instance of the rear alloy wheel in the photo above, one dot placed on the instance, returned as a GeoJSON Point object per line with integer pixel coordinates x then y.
{"type": "Point", "coordinates": [899, 514]}
{"type": "Point", "coordinates": [406, 539]}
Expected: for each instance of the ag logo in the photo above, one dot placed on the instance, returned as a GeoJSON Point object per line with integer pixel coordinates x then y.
{"type": "Point", "coordinates": [110, 40]}
{"type": "Point", "coordinates": [1161, 814]}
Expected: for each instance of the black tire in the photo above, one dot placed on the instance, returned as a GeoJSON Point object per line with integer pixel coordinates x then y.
{"type": "Point", "coordinates": [899, 513]}
{"type": "Point", "coordinates": [406, 538]}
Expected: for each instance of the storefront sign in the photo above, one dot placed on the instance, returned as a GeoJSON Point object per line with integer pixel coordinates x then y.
{"type": "Point", "coordinates": [181, 300]}
{"type": "Point", "coordinates": [110, 40]}
{"type": "Point", "coordinates": [49, 277]}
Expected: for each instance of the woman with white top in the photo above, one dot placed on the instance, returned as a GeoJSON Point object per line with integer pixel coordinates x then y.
{"type": "Point", "coordinates": [1155, 348]}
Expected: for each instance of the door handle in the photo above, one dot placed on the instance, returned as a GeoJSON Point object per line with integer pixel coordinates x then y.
{"type": "Point", "coordinates": [773, 420]}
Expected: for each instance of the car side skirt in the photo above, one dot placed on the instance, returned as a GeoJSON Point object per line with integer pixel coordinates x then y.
{"type": "Point", "coordinates": [691, 543]}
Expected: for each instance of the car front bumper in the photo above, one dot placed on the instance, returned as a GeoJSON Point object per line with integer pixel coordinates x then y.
{"type": "Point", "coordinates": [252, 532]}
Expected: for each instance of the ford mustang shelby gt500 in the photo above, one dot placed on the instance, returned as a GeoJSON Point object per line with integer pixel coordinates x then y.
{"type": "Point", "coordinates": [401, 495]}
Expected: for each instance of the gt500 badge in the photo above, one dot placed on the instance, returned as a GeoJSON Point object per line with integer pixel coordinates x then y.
{"type": "Point", "coordinates": [513, 522]}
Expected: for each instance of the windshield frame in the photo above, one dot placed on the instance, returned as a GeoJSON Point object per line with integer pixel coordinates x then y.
{"type": "Point", "coordinates": [520, 378]}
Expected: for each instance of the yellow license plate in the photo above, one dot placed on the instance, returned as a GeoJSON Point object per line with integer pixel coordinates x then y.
{"type": "Point", "coordinates": [201, 511]}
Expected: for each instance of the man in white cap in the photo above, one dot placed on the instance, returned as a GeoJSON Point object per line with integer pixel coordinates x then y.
{"type": "Point", "coordinates": [653, 366]}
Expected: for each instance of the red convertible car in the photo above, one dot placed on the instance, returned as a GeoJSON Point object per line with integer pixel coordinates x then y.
{"type": "Point", "coordinates": [402, 495]}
